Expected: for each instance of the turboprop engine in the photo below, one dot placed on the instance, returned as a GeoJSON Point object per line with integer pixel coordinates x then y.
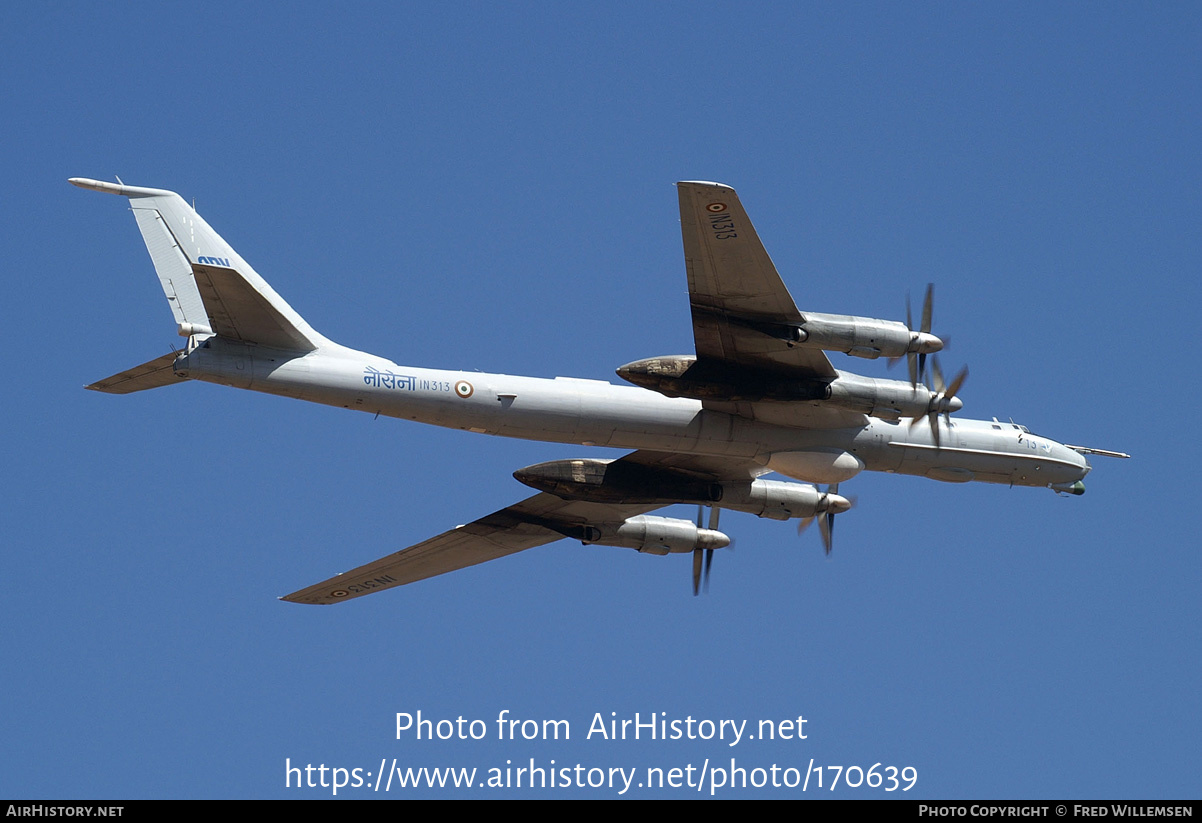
{"type": "Point", "coordinates": [865, 337]}
{"type": "Point", "coordinates": [658, 535]}
{"type": "Point", "coordinates": [889, 399]}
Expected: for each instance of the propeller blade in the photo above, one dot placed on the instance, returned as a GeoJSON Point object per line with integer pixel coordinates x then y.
{"type": "Point", "coordinates": [957, 383]}
{"type": "Point", "coordinates": [917, 362]}
{"type": "Point", "coordinates": [824, 516]}
{"type": "Point", "coordinates": [697, 553]}
{"type": "Point", "coordinates": [927, 309]}
{"type": "Point", "coordinates": [941, 392]}
{"type": "Point", "coordinates": [911, 357]}
{"type": "Point", "coordinates": [715, 512]}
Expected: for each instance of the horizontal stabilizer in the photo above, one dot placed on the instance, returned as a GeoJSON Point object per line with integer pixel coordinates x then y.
{"type": "Point", "coordinates": [149, 375]}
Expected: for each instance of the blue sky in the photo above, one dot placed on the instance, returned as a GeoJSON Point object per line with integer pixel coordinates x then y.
{"type": "Point", "coordinates": [489, 187]}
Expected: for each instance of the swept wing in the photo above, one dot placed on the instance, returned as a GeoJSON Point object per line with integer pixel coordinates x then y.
{"type": "Point", "coordinates": [742, 313]}
{"type": "Point", "coordinates": [535, 521]}
{"type": "Point", "coordinates": [532, 522]}
{"type": "Point", "coordinates": [744, 319]}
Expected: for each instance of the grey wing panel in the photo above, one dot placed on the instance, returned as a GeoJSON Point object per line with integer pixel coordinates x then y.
{"type": "Point", "coordinates": [513, 529]}
{"type": "Point", "coordinates": [736, 295]}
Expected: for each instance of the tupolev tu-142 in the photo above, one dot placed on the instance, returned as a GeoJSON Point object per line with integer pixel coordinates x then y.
{"type": "Point", "coordinates": [758, 395]}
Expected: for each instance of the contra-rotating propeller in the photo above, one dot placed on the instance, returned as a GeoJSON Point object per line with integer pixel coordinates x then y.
{"type": "Point", "coordinates": [709, 553]}
{"type": "Point", "coordinates": [922, 342]}
{"type": "Point", "coordinates": [943, 400]}
{"type": "Point", "coordinates": [829, 504]}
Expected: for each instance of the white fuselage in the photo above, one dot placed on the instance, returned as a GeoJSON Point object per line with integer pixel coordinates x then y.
{"type": "Point", "coordinates": [598, 413]}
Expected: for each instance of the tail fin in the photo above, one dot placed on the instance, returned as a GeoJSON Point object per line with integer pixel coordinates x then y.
{"type": "Point", "coordinates": [210, 288]}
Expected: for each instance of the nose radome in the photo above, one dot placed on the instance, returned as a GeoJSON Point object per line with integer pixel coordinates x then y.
{"type": "Point", "coordinates": [1075, 457]}
{"type": "Point", "coordinates": [1085, 467]}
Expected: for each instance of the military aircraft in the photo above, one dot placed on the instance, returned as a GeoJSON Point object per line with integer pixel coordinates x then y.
{"type": "Point", "coordinates": [758, 395]}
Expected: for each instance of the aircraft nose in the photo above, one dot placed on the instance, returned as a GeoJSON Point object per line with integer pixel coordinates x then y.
{"type": "Point", "coordinates": [1085, 467]}
{"type": "Point", "coordinates": [1077, 459]}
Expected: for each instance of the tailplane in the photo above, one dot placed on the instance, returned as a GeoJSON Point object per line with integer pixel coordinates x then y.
{"type": "Point", "coordinates": [149, 375]}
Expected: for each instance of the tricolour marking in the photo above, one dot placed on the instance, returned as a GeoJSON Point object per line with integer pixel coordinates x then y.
{"type": "Point", "coordinates": [716, 207]}
{"type": "Point", "coordinates": [464, 389]}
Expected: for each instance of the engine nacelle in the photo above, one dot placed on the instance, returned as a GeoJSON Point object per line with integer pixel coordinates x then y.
{"type": "Point", "coordinates": [774, 499]}
{"type": "Point", "coordinates": [879, 398]}
{"type": "Point", "coordinates": [659, 535]}
{"type": "Point", "coordinates": [887, 399]}
{"type": "Point", "coordinates": [865, 337]}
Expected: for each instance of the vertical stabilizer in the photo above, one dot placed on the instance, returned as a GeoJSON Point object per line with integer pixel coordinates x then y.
{"type": "Point", "coordinates": [208, 285]}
